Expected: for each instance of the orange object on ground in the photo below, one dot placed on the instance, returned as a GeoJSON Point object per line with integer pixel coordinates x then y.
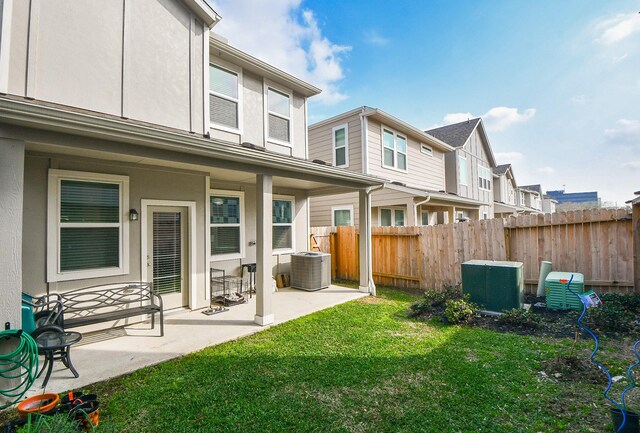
{"type": "Point", "coordinates": [38, 404]}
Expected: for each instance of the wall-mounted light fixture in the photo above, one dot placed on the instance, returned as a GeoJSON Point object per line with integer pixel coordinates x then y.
{"type": "Point", "coordinates": [133, 215]}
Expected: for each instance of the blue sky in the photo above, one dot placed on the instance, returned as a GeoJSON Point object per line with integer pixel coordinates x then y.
{"type": "Point", "coordinates": [556, 82]}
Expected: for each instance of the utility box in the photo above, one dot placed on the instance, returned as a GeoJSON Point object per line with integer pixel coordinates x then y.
{"type": "Point", "coordinates": [310, 270]}
{"type": "Point", "coordinates": [494, 285]}
{"type": "Point", "coordinates": [558, 295]}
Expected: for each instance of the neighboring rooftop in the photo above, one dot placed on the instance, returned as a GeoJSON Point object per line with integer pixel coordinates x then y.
{"type": "Point", "coordinates": [457, 134]}
{"type": "Point", "coordinates": [537, 188]}
{"type": "Point", "coordinates": [501, 169]}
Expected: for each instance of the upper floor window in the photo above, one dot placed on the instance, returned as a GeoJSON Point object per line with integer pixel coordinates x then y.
{"type": "Point", "coordinates": [226, 224]}
{"type": "Point", "coordinates": [521, 198]}
{"type": "Point", "coordinates": [340, 146]}
{"type": "Point", "coordinates": [463, 170]}
{"type": "Point", "coordinates": [278, 116]}
{"type": "Point", "coordinates": [224, 100]}
{"type": "Point", "coordinates": [88, 236]}
{"type": "Point", "coordinates": [283, 224]}
{"type": "Point", "coordinates": [484, 177]}
{"type": "Point", "coordinates": [394, 150]}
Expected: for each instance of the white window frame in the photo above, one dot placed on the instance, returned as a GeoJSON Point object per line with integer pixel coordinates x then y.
{"type": "Point", "coordinates": [395, 149]}
{"type": "Point", "coordinates": [344, 126]}
{"type": "Point", "coordinates": [522, 200]}
{"type": "Point", "coordinates": [422, 212]}
{"type": "Point", "coordinates": [333, 214]}
{"type": "Point", "coordinates": [393, 216]}
{"type": "Point", "coordinates": [54, 225]}
{"type": "Point", "coordinates": [426, 150]}
{"type": "Point", "coordinates": [238, 71]}
{"type": "Point", "coordinates": [270, 85]}
{"type": "Point", "coordinates": [233, 194]}
{"type": "Point", "coordinates": [463, 181]}
{"type": "Point", "coordinates": [291, 250]}
{"type": "Point", "coordinates": [459, 215]}
{"type": "Point", "coordinates": [488, 177]}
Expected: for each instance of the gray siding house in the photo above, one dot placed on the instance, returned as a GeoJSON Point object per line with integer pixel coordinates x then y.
{"type": "Point", "coordinates": [121, 118]}
{"type": "Point", "coordinates": [370, 141]}
{"type": "Point", "coordinates": [469, 167]}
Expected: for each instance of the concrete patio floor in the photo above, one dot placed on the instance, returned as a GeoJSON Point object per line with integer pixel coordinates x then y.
{"type": "Point", "coordinates": [108, 354]}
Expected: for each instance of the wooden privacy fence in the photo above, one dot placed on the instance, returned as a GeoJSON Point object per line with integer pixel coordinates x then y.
{"type": "Point", "coordinates": [598, 243]}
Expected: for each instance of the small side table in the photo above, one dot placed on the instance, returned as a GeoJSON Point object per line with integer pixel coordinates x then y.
{"type": "Point", "coordinates": [56, 346]}
{"type": "Point", "coordinates": [251, 283]}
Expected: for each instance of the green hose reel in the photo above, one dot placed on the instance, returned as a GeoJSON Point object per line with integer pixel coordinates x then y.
{"type": "Point", "coordinates": [20, 365]}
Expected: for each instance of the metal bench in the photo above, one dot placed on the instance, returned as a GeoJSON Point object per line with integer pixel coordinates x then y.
{"type": "Point", "coordinates": [110, 302]}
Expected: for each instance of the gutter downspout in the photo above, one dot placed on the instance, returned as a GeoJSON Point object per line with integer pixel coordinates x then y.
{"type": "Point", "coordinates": [372, 285]}
{"type": "Point", "coordinates": [364, 139]}
{"type": "Point", "coordinates": [415, 208]}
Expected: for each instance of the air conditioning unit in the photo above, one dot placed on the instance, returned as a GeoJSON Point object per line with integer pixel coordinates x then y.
{"type": "Point", "coordinates": [310, 270]}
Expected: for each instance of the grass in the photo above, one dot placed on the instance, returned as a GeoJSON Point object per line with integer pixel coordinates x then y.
{"type": "Point", "coordinates": [358, 367]}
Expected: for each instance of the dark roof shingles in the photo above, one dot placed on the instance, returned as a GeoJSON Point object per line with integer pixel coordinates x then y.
{"type": "Point", "coordinates": [457, 134]}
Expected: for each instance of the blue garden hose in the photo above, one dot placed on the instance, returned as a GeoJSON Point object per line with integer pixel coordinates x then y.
{"type": "Point", "coordinates": [592, 358]}
{"type": "Point", "coordinates": [630, 374]}
{"type": "Point", "coordinates": [21, 364]}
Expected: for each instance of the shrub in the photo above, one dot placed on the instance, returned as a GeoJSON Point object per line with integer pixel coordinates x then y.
{"type": "Point", "coordinates": [458, 311]}
{"type": "Point", "coordinates": [433, 300]}
{"type": "Point", "coordinates": [610, 316]}
{"type": "Point", "coordinates": [430, 300]}
{"type": "Point", "coordinates": [519, 317]}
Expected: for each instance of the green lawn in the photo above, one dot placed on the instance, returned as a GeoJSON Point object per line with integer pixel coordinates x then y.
{"type": "Point", "coordinates": [358, 367]}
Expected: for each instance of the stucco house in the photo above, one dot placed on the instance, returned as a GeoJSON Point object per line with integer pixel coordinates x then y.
{"type": "Point", "coordinates": [128, 126]}
{"type": "Point", "coordinates": [469, 167]}
{"type": "Point", "coordinates": [370, 141]}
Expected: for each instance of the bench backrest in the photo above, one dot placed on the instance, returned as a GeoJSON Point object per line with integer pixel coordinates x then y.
{"type": "Point", "coordinates": [98, 299]}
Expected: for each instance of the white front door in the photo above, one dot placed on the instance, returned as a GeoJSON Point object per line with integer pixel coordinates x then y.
{"type": "Point", "coordinates": [167, 254]}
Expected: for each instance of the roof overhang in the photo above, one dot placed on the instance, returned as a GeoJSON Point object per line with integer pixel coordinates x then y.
{"type": "Point", "coordinates": [485, 138]}
{"type": "Point", "coordinates": [391, 121]}
{"type": "Point", "coordinates": [443, 197]}
{"type": "Point", "coordinates": [504, 208]}
{"type": "Point", "coordinates": [222, 49]}
{"type": "Point", "coordinates": [205, 12]}
{"type": "Point", "coordinates": [106, 127]}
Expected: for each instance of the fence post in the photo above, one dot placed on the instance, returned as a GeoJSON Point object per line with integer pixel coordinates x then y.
{"type": "Point", "coordinates": [636, 246]}
{"type": "Point", "coordinates": [507, 243]}
{"type": "Point", "coordinates": [334, 255]}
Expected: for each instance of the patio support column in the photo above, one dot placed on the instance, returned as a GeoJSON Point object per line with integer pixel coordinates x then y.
{"type": "Point", "coordinates": [365, 240]}
{"type": "Point", "coordinates": [11, 196]}
{"type": "Point", "coordinates": [264, 220]}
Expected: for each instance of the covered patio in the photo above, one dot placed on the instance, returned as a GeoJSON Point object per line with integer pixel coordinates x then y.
{"type": "Point", "coordinates": [136, 346]}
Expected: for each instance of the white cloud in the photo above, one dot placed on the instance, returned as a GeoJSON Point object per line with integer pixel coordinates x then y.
{"type": "Point", "coordinates": [287, 37]}
{"type": "Point", "coordinates": [633, 165]}
{"type": "Point", "coordinates": [618, 28]}
{"type": "Point", "coordinates": [372, 37]}
{"type": "Point", "coordinates": [581, 99]}
{"type": "Point", "coordinates": [496, 119]}
{"type": "Point", "coordinates": [508, 157]}
{"type": "Point", "coordinates": [500, 118]}
{"type": "Point", "coordinates": [457, 117]}
{"type": "Point", "coordinates": [546, 170]}
{"type": "Point", "coordinates": [627, 132]}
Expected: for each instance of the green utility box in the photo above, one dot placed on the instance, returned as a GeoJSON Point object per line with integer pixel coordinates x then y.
{"type": "Point", "coordinates": [558, 295]}
{"type": "Point", "coordinates": [494, 285]}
